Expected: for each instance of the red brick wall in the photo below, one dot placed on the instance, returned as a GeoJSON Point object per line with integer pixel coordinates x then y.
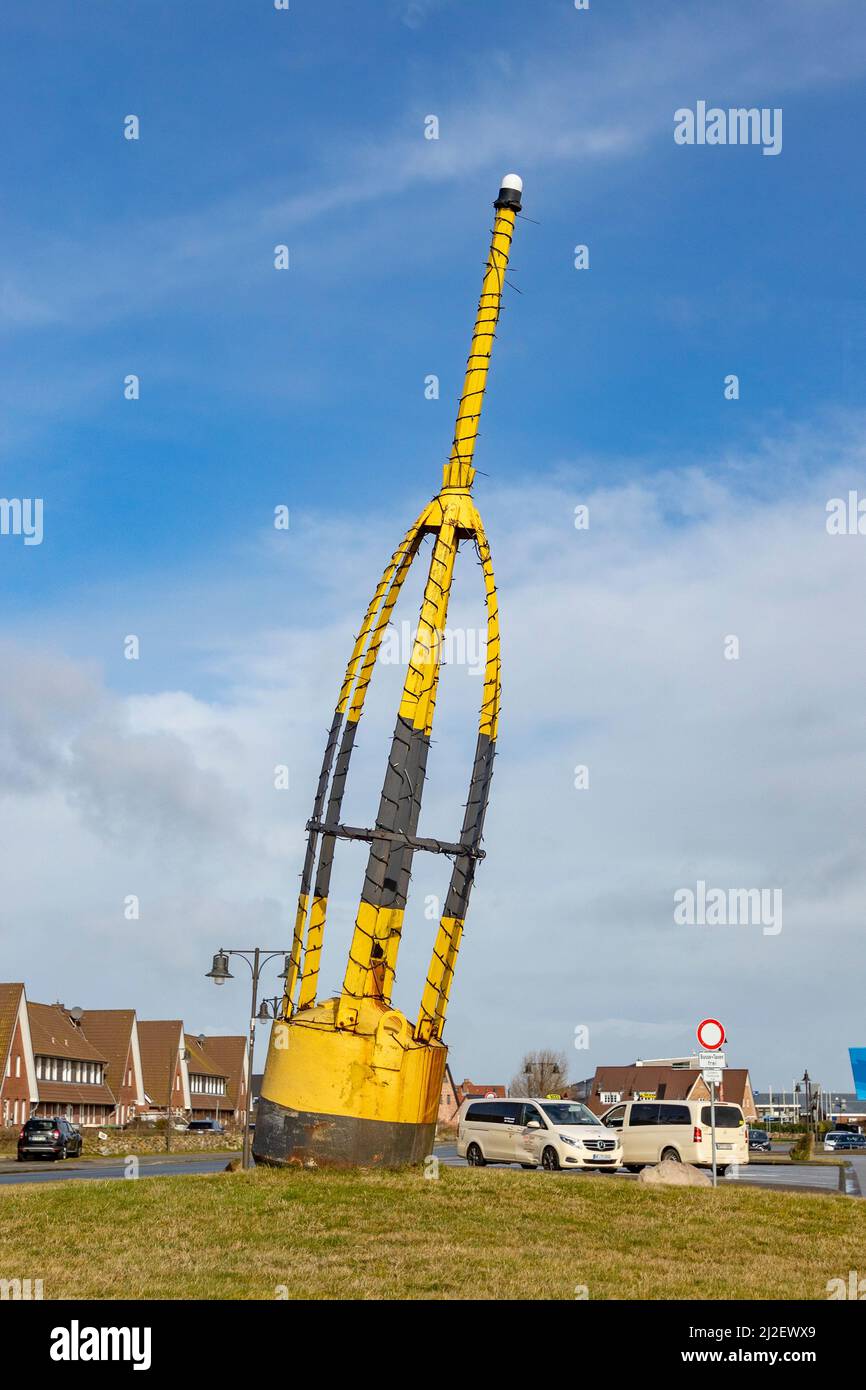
{"type": "Point", "coordinates": [14, 1090]}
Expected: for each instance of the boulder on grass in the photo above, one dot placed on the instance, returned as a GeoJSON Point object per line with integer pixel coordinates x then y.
{"type": "Point", "coordinates": [672, 1174]}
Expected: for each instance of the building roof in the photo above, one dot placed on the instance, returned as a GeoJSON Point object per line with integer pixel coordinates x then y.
{"type": "Point", "coordinates": [10, 1002]}
{"type": "Point", "coordinates": [733, 1087]}
{"type": "Point", "coordinates": [111, 1031]}
{"type": "Point", "coordinates": [160, 1041]}
{"type": "Point", "coordinates": [472, 1088]}
{"type": "Point", "coordinates": [666, 1083]}
{"type": "Point", "coordinates": [71, 1093]}
{"type": "Point", "coordinates": [228, 1055]}
{"type": "Point", "coordinates": [199, 1063]}
{"type": "Point", "coordinates": [54, 1034]}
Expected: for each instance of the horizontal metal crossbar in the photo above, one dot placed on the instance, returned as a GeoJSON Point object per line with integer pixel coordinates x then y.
{"type": "Point", "coordinates": [354, 832]}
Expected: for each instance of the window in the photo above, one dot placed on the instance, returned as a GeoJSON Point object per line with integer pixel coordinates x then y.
{"type": "Point", "coordinates": [727, 1116]}
{"type": "Point", "coordinates": [532, 1112]}
{"type": "Point", "coordinates": [489, 1113]}
{"type": "Point", "coordinates": [610, 1097]}
{"type": "Point", "coordinates": [614, 1118]}
{"type": "Point", "coordinates": [644, 1114]}
{"type": "Point", "coordinates": [674, 1115]}
{"type": "Point", "coordinates": [17, 1066]}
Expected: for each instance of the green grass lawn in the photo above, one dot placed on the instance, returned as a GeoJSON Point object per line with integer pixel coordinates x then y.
{"type": "Point", "coordinates": [468, 1234]}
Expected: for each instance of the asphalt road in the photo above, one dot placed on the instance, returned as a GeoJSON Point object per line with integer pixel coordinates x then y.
{"type": "Point", "coordinates": [807, 1177]}
{"type": "Point", "coordinates": [802, 1178]}
{"type": "Point", "coordinates": [149, 1166]}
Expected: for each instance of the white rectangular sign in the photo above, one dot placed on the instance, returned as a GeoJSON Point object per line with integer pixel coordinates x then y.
{"type": "Point", "coordinates": [713, 1075]}
{"type": "Point", "coordinates": [712, 1059]}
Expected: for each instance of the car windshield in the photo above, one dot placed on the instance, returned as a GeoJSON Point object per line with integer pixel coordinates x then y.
{"type": "Point", "coordinates": [39, 1124]}
{"type": "Point", "coordinates": [569, 1113]}
{"type": "Point", "coordinates": [759, 1134]}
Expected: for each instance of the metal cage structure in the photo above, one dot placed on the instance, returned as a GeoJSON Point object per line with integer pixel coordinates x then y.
{"type": "Point", "coordinates": [350, 1080]}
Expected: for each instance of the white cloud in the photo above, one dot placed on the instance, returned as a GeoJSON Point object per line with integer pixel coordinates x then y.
{"type": "Point", "coordinates": [744, 774]}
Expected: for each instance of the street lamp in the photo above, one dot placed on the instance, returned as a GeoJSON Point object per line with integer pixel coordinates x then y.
{"type": "Point", "coordinates": [219, 973]}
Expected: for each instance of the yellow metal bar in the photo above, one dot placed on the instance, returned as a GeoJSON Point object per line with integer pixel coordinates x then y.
{"type": "Point", "coordinates": [375, 924]}
{"type": "Point", "coordinates": [458, 471]}
{"type": "Point", "coordinates": [394, 573]}
{"type": "Point", "coordinates": [437, 987]}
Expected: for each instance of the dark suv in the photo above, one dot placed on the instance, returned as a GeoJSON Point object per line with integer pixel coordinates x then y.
{"type": "Point", "coordinates": [205, 1127]}
{"type": "Point", "coordinates": [53, 1137]}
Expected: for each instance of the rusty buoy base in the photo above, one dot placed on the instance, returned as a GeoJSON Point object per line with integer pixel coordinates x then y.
{"type": "Point", "coordinates": [305, 1139]}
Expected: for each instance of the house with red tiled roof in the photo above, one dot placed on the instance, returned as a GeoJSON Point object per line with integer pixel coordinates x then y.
{"type": "Point", "coordinates": [656, 1081]}
{"type": "Point", "coordinates": [18, 1093]}
{"type": "Point", "coordinates": [163, 1062]}
{"type": "Point", "coordinates": [208, 1084]}
{"type": "Point", "coordinates": [70, 1071]}
{"type": "Point", "coordinates": [228, 1057]}
{"type": "Point", "coordinates": [114, 1032]}
{"type": "Point", "coordinates": [452, 1096]}
{"type": "Point", "coordinates": [449, 1099]}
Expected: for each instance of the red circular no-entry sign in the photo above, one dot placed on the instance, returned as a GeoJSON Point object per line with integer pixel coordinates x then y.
{"type": "Point", "coordinates": [711, 1034]}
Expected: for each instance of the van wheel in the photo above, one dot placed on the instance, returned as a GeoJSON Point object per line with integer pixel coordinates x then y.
{"type": "Point", "coordinates": [474, 1157]}
{"type": "Point", "coordinates": [530, 1166]}
{"type": "Point", "coordinates": [550, 1160]}
{"type": "Point", "coordinates": [721, 1169]}
{"type": "Point", "coordinates": [672, 1155]}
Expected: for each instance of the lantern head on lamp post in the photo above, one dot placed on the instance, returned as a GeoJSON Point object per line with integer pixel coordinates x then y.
{"type": "Point", "coordinates": [219, 971]}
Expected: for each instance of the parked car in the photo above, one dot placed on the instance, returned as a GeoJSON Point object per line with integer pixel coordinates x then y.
{"type": "Point", "coordinates": [759, 1141]}
{"type": "Point", "coordinates": [205, 1127]}
{"type": "Point", "coordinates": [552, 1134]}
{"type": "Point", "coordinates": [653, 1130]}
{"type": "Point", "coordinates": [54, 1137]}
{"type": "Point", "coordinates": [846, 1141]}
{"type": "Point", "coordinates": [838, 1138]}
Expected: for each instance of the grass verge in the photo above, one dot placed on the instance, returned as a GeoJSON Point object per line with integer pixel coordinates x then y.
{"type": "Point", "coordinates": [465, 1235]}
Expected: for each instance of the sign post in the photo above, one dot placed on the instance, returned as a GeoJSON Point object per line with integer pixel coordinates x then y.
{"type": "Point", "coordinates": [711, 1036]}
{"type": "Point", "coordinates": [713, 1130]}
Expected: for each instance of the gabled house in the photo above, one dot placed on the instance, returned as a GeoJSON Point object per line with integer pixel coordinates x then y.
{"type": "Point", "coordinates": [18, 1093]}
{"type": "Point", "coordinates": [230, 1057]}
{"type": "Point", "coordinates": [70, 1071]}
{"type": "Point", "coordinates": [652, 1081]}
{"type": "Point", "coordinates": [166, 1078]}
{"type": "Point", "coordinates": [208, 1084]}
{"type": "Point", "coordinates": [115, 1033]}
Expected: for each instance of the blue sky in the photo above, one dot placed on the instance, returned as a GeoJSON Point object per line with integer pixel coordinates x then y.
{"type": "Point", "coordinates": [306, 388]}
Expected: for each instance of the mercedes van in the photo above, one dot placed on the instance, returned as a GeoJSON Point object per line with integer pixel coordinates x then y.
{"type": "Point", "coordinates": [552, 1134]}
{"type": "Point", "coordinates": [652, 1130]}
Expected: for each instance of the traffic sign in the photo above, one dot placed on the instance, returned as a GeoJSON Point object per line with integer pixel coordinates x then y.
{"type": "Point", "coordinates": [712, 1059]}
{"type": "Point", "coordinates": [711, 1034]}
{"type": "Point", "coordinates": [714, 1076]}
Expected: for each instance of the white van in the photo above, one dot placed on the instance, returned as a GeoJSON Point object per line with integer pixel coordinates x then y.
{"type": "Point", "coordinates": [553, 1133]}
{"type": "Point", "coordinates": [679, 1129]}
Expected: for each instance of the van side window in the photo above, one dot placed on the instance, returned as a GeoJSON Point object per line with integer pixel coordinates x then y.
{"type": "Point", "coordinates": [614, 1118]}
{"type": "Point", "coordinates": [532, 1112]}
{"type": "Point", "coordinates": [485, 1114]}
{"type": "Point", "coordinates": [644, 1115]}
{"type": "Point", "coordinates": [511, 1112]}
{"type": "Point", "coordinates": [674, 1115]}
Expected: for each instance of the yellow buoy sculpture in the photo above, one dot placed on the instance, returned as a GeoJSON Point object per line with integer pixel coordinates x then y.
{"type": "Point", "coordinates": [351, 1080]}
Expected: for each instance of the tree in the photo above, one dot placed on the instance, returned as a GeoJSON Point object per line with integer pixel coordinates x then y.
{"type": "Point", "coordinates": [542, 1073]}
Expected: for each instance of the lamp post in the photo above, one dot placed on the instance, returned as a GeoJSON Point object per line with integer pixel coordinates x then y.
{"type": "Point", "coordinates": [219, 973]}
